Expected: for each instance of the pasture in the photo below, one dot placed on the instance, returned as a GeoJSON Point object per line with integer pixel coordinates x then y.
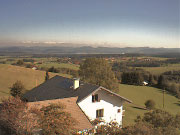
{"type": "Point", "coordinates": [30, 78]}
{"type": "Point", "coordinates": [139, 95]}
{"type": "Point", "coordinates": [160, 70]}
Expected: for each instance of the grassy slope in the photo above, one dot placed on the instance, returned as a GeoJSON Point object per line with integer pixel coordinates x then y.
{"type": "Point", "coordinates": [139, 94]}
{"type": "Point", "coordinates": [160, 70]}
{"type": "Point", "coordinates": [10, 74]}
{"type": "Point", "coordinates": [61, 65]}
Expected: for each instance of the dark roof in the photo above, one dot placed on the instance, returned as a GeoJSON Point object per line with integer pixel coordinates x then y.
{"type": "Point", "coordinates": [60, 87]}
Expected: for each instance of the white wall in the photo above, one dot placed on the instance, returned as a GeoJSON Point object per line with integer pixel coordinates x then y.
{"type": "Point", "coordinates": [109, 103]}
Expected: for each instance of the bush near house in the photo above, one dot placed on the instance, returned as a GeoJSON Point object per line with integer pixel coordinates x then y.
{"type": "Point", "coordinates": [150, 104]}
{"type": "Point", "coordinates": [16, 118]}
{"type": "Point", "coordinates": [17, 89]}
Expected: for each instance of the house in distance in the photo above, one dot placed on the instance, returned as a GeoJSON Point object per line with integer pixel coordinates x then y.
{"type": "Point", "coordinates": [95, 101]}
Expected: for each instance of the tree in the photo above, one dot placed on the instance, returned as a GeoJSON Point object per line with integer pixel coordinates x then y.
{"type": "Point", "coordinates": [54, 120]}
{"type": "Point", "coordinates": [18, 118]}
{"type": "Point", "coordinates": [132, 78]}
{"type": "Point", "coordinates": [151, 80]}
{"type": "Point", "coordinates": [161, 82]}
{"type": "Point", "coordinates": [174, 88]}
{"type": "Point", "coordinates": [15, 118]}
{"type": "Point", "coordinates": [150, 104]}
{"type": "Point", "coordinates": [29, 66]}
{"type": "Point", "coordinates": [20, 62]}
{"type": "Point", "coordinates": [17, 89]}
{"type": "Point", "coordinates": [98, 71]}
{"type": "Point", "coordinates": [178, 94]}
{"type": "Point", "coordinates": [47, 76]}
{"type": "Point", "coordinates": [140, 128]}
{"type": "Point", "coordinates": [159, 118]}
{"type": "Point", "coordinates": [53, 69]}
{"type": "Point", "coordinates": [161, 121]}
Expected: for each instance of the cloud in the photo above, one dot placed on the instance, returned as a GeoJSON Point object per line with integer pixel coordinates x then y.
{"type": "Point", "coordinates": [38, 42]}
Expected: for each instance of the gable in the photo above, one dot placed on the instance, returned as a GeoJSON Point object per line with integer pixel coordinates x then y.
{"type": "Point", "coordinates": [57, 88]}
{"type": "Point", "coordinates": [60, 87]}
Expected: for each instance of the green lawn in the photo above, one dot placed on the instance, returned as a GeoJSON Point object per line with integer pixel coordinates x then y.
{"type": "Point", "coordinates": [10, 74]}
{"type": "Point", "coordinates": [59, 65]}
{"type": "Point", "coordinates": [160, 70]}
{"type": "Point", "coordinates": [46, 62]}
{"type": "Point", "coordinates": [139, 94]}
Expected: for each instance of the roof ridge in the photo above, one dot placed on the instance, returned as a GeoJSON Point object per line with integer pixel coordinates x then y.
{"type": "Point", "coordinates": [42, 83]}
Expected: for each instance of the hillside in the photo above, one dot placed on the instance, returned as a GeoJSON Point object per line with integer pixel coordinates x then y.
{"type": "Point", "coordinates": [30, 78]}
{"type": "Point", "coordinates": [160, 70]}
{"type": "Point", "coordinates": [85, 49]}
{"type": "Point", "coordinates": [138, 94]}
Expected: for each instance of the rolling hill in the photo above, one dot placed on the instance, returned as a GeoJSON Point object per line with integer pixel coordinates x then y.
{"type": "Point", "coordinates": [30, 78]}
{"type": "Point", "coordinates": [138, 94]}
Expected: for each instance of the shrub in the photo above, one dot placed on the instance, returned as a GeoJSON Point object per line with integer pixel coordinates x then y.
{"type": "Point", "coordinates": [29, 66]}
{"type": "Point", "coordinates": [150, 104]}
{"type": "Point", "coordinates": [15, 119]}
{"type": "Point", "coordinates": [17, 89]}
{"type": "Point", "coordinates": [20, 62]}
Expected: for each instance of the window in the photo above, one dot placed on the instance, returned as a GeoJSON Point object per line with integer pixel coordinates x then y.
{"type": "Point", "coordinates": [119, 110]}
{"type": "Point", "coordinates": [95, 98]}
{"type": "Point", "coordinates": [99, 113]}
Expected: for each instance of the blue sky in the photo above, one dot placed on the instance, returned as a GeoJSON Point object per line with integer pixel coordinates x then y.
{"type": "Point", "coordinates": [120, 23]}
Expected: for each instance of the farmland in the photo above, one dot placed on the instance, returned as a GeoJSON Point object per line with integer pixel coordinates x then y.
{"type": "Point", "coordinates": [138, 94]}
{"type": "Point", "coordinates": [160, 70]}
{"type": "Point", "coordinates": [30, 78]}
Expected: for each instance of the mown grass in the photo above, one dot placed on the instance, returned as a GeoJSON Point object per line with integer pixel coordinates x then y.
{"type": "Point", "coordinates": [30, 78]}
{"type": "Point", "coordinates": [160, 70]}
{"type": "Point", "coordinates": [46, 62]}
{"type": "Point", "coordinates": [139, 94]}
{"type": "Point", "coordinates": [59, 65]}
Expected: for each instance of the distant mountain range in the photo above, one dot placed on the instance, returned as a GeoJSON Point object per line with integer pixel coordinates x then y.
{"type": "Point", "coordinates": [84, 50]}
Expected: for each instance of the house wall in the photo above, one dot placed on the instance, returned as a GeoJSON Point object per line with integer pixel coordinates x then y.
{"type": "Point", "coordinates": [109, 103]}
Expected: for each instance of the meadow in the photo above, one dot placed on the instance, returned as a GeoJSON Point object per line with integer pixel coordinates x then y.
{"type": "Point", "coordinates": [9, 74]}
{"type": "Point", "coordinates": [160, 70]}
{"type": "Point", "coordinates": [59, 65]}
{"type": "Point", "coordinates": [138, 94]}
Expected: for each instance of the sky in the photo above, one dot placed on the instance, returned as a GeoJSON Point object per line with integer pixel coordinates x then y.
{"type": "Point", "coordinates": [119, 23]}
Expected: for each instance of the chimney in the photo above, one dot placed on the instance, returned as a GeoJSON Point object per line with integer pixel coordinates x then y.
{"type": "Point", "coordinates": [76, 83]}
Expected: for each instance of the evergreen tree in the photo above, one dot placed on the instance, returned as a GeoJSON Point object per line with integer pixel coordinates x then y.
{"type": "Point", "coordinates": [133, 78]}
{"type": "Point", "coordinates": [151, 80]}
{"type": "Point", "coordinates": [47, 76]}
{"type": "Point", "coordinates": [161, 82]}
{"type": "Point", "coordinates": [17, 89]}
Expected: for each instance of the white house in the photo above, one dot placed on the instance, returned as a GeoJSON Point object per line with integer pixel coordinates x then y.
{"type": "Point", "coordinates": [95, 101]}
{"type": "Point", "coordinates": [145, 83]}
{"type": "Point", "coordinates": [34, 68]}
{"type": "Point", "coordinates": [104, 105]}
